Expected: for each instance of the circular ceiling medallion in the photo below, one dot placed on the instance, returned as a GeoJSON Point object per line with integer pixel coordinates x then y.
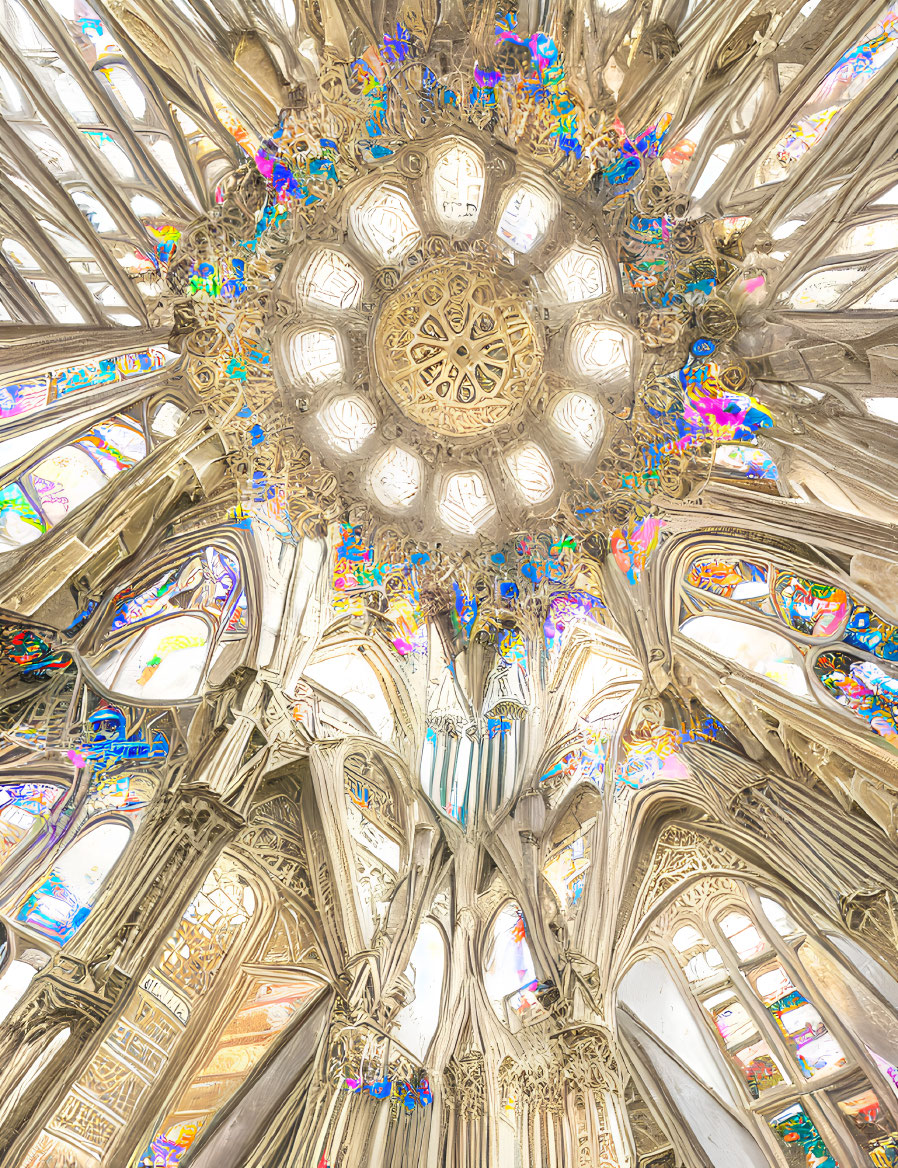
{"type": "Point", "coordinates": [456, 348]}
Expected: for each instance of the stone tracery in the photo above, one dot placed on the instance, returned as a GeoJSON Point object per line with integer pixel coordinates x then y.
{"type": "Point", "coordinates": [447, 585]}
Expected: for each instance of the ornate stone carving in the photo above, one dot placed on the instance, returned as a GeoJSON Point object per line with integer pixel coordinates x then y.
{"type": "Point", "coordinates": [872, 913]}
{"type": "Point", "coordinates": [681, 853]}
{"type": "Point", "coordinates": [456, 348]}
{"type": "Point", "coordinates": [67, 992]}
{"type": "Point", "coordinates": [464, 1082]}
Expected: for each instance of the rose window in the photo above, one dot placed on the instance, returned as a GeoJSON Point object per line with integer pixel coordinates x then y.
{"type": "Point", "coordinates": [456, 348]}
{"type": "Point", "coordinates": [449, 353]}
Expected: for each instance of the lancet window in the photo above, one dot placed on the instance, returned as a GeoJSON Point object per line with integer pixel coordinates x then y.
{"type": "Point", "coordinates": [151, 1029]}
{"type": "Point", "coordinates": [808, 636]}
{"type": "Point", "coordinates": [61, 902]}
{"type": "Point", "coordinates": [508, 970]}
{"type": "Point", "coordinates": [169, 631]}
{"type": "Point", "coordinates": [785, 1005]}
{"type": "Point", "coordinates": [66, 478]}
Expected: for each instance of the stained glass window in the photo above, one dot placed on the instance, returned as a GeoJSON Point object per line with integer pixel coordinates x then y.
{"type": "Point", "coordinates": [526, 218]}
{"type": "Point", "coordinates": [416, 1023]}
{"type": "Point", "coordinates": [332, 281]}
{"type": "Point", "coordinates": [465, 503]}
{"type": "Point", "coordinates": [191, 613]}
{"type": "Point", "coordinates": [458, 182]}
{"type": "Point", "coordinates": [61, 903]}
{"type": "Point", "coordinates": [509, 974]}
{"type": "Point", "coordinates": [24, 807]}
{"type": "Point", "coordinates": [386, 224]}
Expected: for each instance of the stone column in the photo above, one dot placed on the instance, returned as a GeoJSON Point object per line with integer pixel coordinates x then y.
{"type": "Point", "coordinates": [87, 984]}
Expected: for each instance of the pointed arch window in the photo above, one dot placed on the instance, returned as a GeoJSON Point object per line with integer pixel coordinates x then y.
{"type": "Point", "coordinates": [34, 394]}
{"type": "Point", "coordinates": [416, 1023]}
{"type": "Point", "coordinates": [344, 673]}
{"type": "Point", "coordinates": [60, 904]}
{"type": "Point", "coordinates": [24, 809]}
{"type": "Point", "coordinates": [153, 1024]}
{"type": "Point", "coordinates": [70, 476]}
{"type": "Point", "coordinates": [162, 642]}
{"type": "Point", "coordinates": [566, 869]}
{"type": "Point", "coordinates": [509, 974]}
{"type": "Point", "coordinates": [266, 1010]}
{"type": "Point", "coordinates": [845, 81]}
{"type": "Point", "coordinates": [801, 1067]}
{"type": "Point", "coordinates": [810, 637]}
{"type": "Point", "coordinates": [458, 182]}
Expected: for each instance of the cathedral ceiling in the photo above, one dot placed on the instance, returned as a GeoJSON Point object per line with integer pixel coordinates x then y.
{"type": "Point", "coordinates": [500, 568]}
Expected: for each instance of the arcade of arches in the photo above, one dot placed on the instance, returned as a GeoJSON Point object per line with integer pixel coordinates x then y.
{"type": "Point", "coordinates": [448, 584]}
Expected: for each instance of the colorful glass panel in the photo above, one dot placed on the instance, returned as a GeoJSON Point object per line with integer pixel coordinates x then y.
{"type": "Point", "coordinates": [815, 1049]}
{"type": "Point", "coordinates": [25, 397]}
{"type": "Point", "coordinates": [566, 871]}
{"type": "Point", "coordinates": [266, 1010]}
{"type": "Point", "coordinates": [20, 522]}
{"type": "Point", "coordinates": [870, 1125]}
{"type": "Point", "coordinates": [22, 806]}
{"type": "Point", "coordinates": [509, 969]}
{"type": "Point", "coordinates": [801, 1141]}
{"type": "Point", "coordinates": [62, 902]}
{"type": "Point", "coordinates": [759, 1068]}
{"type": "Point", "coordinates": [845, 81]}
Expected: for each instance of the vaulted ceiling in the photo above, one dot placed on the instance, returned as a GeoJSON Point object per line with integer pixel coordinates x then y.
{"type": "Point", "coordinates": [476, 689]}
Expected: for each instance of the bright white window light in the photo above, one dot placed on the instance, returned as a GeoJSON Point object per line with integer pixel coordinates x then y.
{"type": "Point", "coordinates": [458, 178]}
{"type": "Point", "coordinates": [167, 420]}
{"type": "Point", "coordinates": [465, 503]}
{"type": "Point", "coordinates": [599, 350]}
{"type": "Point", "coordinates": [70, 247]}
{"type": "Point", "coordinates": [714, 168]}
{"type": "Point", "coordinates": [73, 98]}
{"type": "Point", "coordinates": [823, 289]}
{"type": "Point", "coordinates": [128, 92]}
{"type": "Point", "coordinates": [11, 100]}
{"type": "Point", "coordinates": [164, 153]}
{"type": "Point", "coordinates": [331, 280]}
{"type": "Point", "coordinates": [883, 407]}
{"type": "Point", "coordinates": [886, 296]}
{"type": "Point", "coordinates": [96, 214]}
{"type": "Point", "coordinates": [532, 473]}
{"type": "Point", "coordinates": [316, 356]}
{"type": "Point", "coordinates": [56, 159]}
{"type": "Point", "coordinates": [348, 422]}
{"type": "Point", "coordinates": [880, 235]}
{"type": "Point", "coordinates": [20, 256]}
{"type": "Point", "coordinates": [385, 224]}
{"type": "Point", "coordinates": [347, 674]}
{"type": "Point", "coordinates": [578, 275]}
{"type": "Point", "coordinates": [416, 1023]}
{"type": "Point", "coordinates": [59, 305]}
{"type": "Point", "coordinates": [578, 420]}
{"type": "Point", "coordinates": [888, 198]}
{"type": "Point", "coordinates": [784, 230]}
{"type": "Point", "coordinates": [145, 207]}
{"type": "Point", "coordinates": [396, 477]}
{"type": "Point", "coordinates": [525, 218]}
{"type": "Point", "coordinates": [756, 649]}
{"type": "Point", "coordinates": [686, 938]}
{"type": "Point", "coordinates": [115, 156]}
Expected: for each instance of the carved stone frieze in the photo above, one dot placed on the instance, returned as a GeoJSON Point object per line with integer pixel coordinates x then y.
{"type": "Point", "coordinates": [464, 1081]}
{"type": "Point", "coordinates": [872, 913]}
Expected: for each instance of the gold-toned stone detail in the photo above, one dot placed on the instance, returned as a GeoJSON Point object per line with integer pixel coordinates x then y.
{"type": "Point", "coordinates": [456, 348]}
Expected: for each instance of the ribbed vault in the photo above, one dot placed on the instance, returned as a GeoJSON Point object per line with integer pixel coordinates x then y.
{"type": "Point", "coordinates": [465, 732]}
